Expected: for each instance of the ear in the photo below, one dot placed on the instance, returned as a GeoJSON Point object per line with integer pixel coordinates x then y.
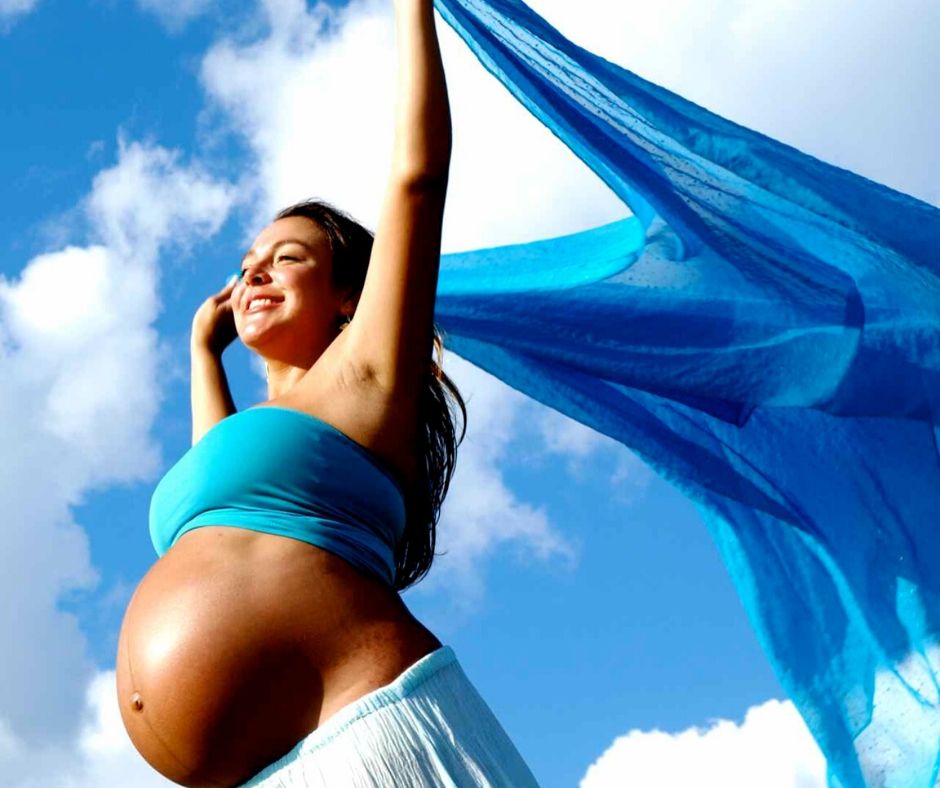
{"type": "Point", "coordinates": [350, 302]}
{"type": "Point", "coordinates": [347, 308]}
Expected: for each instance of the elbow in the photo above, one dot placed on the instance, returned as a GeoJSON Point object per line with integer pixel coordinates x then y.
{"type": "Point", "coordinates": [424, 168]}
{"type": "Point", "coordinates": [424, 180]}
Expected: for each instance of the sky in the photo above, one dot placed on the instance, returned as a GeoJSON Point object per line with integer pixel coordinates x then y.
{"type": "Point", "coordinates": [146, 141]}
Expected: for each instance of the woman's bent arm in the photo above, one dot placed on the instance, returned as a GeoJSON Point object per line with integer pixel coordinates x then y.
{"type": "Point", "coordinates": [209, 390]}
{"type": "Point", "coordinates": [213, 331]}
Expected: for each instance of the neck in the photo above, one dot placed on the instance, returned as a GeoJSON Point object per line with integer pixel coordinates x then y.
{"type": "Point", "coordinates": [283, 377]}
{"type": "Point", "coordinates": [287, 371]}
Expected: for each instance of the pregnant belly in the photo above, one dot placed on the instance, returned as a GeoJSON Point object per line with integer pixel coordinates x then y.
{"type": "Point", "coordinates": [220, 665]}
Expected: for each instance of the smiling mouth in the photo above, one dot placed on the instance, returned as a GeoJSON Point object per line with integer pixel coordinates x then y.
{"type": "Point", "coordinates": [259, 304]}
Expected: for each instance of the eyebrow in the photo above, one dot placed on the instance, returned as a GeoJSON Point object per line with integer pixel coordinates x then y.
{"type": "Point", "coordinates": [278, 245]}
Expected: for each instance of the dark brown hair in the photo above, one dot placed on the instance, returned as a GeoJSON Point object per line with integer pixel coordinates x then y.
{"type": "Point", "coordinates": [351, 246]}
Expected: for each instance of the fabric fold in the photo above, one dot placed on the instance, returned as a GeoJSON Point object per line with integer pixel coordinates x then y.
{"type": "Point", "coordinates": [765, 333]}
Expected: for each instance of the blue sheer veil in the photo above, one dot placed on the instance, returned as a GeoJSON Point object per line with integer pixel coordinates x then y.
{"type": "Point", "coordinates": [764, 332]}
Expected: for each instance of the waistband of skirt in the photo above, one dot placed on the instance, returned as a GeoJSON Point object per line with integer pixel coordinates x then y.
{"type": "Point", "coordinates": [403, 686]}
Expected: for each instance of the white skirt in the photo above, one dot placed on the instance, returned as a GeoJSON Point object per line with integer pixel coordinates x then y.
{"type": "Point", "coordinates": [429, 727]}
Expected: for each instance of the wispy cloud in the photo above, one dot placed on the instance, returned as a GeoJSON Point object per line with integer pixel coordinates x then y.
{"type": "Point", "coordinates": [12, 9]}
{"type": "Point", "coordinates": [586, 451]}
{"type": "Point", "coordinates": [151, 200]}
{"type": "Point", "coordinates": [174, 15]}
{"type": "Point", "coordinates": [481, 513]}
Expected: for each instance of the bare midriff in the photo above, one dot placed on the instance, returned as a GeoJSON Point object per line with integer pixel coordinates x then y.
{"type": "Point", "coordinates": [237, 644]}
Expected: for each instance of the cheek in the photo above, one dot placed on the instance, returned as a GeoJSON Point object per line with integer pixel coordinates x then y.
{"type": "Point", "coordinates": [305, 295]}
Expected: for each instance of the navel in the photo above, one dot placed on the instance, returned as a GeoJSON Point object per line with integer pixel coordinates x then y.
{"type": "Point", "coordinates": [137, 702]}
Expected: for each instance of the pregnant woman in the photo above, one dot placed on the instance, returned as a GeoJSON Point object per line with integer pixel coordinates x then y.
{"type": "Point", "coordinates": [268, 645]}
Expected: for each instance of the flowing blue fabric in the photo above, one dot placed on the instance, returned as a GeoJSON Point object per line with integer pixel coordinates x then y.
{"type": "Point", "coordinates": [763, 332]}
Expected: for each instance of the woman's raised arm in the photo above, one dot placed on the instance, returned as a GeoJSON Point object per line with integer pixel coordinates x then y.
{"type": "Point", "coordinates": [390, 337]}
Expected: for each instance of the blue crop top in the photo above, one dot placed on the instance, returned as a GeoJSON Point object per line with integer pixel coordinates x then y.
{"type": "Point", "coordinates": [281, 471]}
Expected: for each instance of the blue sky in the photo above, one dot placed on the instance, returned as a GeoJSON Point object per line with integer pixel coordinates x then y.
{"type": "Point", "coordinates": [144, 142]}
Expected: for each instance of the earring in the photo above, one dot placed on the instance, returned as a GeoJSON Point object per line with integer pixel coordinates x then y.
{"type": "Point", "coordinates": [346, 322]}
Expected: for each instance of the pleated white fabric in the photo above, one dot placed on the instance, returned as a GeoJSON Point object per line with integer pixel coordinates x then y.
{"type": "Point", "coordinates": [429, 727]}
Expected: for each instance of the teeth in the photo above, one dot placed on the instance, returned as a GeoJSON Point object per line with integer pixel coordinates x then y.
{"type": "Point", "coordinates": [258, 302]}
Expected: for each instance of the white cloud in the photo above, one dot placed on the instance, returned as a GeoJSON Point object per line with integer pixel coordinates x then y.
{"type": "Point", "coordinates": [11, 9]}
{"type": "Point", "coordinates": [589, 452]}
{"type": "Point", "coordinates": [150, 200]}
{"type": "Point", "coordinates": [318, 111]}
{"type": "Point", "coordinates": [100, 756]}
{"type": "Point", "coordinates": [481, 514]}
{"type": "Point", "coordinates": [175, 14]}
{"type": "Point", "coordinates": [79, 391]}
{"type": "Point", "coordinates": [848, 81]}
{"type": "Point", "coordinates": [772, 748]}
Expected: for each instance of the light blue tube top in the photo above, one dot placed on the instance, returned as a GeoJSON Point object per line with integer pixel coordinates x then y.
{"type": "Point", "coordinates": [284, 472]}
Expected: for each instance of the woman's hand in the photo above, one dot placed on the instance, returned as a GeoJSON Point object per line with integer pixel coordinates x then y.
{"type": "Point", "coordinates": [214, 322]}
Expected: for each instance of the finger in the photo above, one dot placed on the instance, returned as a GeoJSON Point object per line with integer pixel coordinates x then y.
{"type": "Point", "coordinates": [230, 282]}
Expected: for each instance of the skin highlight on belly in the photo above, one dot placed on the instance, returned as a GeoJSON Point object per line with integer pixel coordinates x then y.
{"type": "Point", "coordinates": [236, 645]}
{"type": "Point", "coordinates": [207, 699]}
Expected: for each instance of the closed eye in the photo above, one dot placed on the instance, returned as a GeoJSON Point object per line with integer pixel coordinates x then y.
{"type": "Point", "coordinates": [281, 259]}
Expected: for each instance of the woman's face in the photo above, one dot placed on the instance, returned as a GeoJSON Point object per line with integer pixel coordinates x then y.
{"type": "Point", "coordinates": [290, 264]}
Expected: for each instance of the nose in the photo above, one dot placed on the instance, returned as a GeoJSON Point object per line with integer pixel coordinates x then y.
{"type": "Point", "coordinates": [254, 273]}
{"type": "Point", "coordinates": [251, 275]}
